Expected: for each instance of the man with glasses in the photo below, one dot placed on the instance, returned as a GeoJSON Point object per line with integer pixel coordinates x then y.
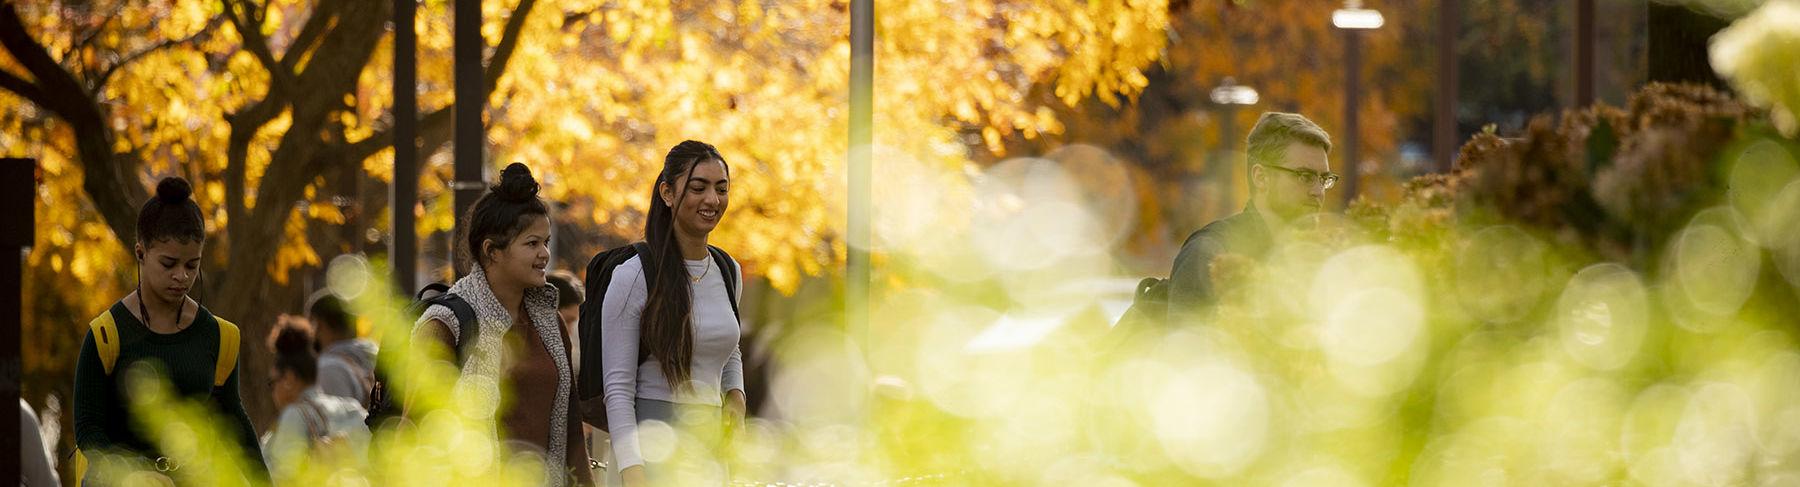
{"type": "Point", "coordinates": [1288, 174]}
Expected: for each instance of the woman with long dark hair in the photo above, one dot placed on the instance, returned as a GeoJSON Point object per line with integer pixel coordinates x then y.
{"type": "Point", "coordinates": [508, 244]}
{"type": "Point", "coordinates": [158, 325]}
{"type": "Point", "coordinates": [669, 319]}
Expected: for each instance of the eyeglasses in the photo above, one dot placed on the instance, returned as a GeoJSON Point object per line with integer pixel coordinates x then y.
{"type": "Point", "coordinates": [1309, 177]}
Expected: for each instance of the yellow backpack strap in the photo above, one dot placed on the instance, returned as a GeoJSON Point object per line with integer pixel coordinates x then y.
{"type": "Point", "coordinates": [81, 466]}
{"type": "Point", "coordinates": [228, 351]}
{"type": "Point", "coordinates": [106, 339]}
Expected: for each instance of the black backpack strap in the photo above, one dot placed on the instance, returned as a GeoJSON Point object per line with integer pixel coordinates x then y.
{"type": "Point", "coordinates": [431, 291]}
{"type": "Point", "coordinates": [467, 324]}
{"type": "Point", "coordinates": [728, 270]}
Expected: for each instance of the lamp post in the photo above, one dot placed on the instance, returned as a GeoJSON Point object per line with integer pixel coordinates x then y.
{"type": "Point", "coordinates": [1443, 129]}
{"type": "Point", "coordinates": [1584, 53]}
{"type": "Point", "coordinates": [1353, 19]}
{"type": "Point", "coordinates": [1228, 96]}
{"type": "Point", "coordinates": [470, 137]}
{"type": "Point", "coordinates": [403, 249]}
{"type": "Point", "coordinates": [859, 271]}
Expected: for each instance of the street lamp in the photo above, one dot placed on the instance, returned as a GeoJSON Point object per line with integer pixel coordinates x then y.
{"type": "Point", "coordinates": [1228, 96]}
{"type": "Point", "coordinates": [1353, 19]}
{"type": "Point", "coordinates": [1230, 93]}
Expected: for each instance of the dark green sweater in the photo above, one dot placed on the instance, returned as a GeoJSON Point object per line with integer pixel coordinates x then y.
{"type": "Point", "coordinates": [187, 357]}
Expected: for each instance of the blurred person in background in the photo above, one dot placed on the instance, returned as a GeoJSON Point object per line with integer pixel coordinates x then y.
{"type": "Point", "coordinates": [35, 467]}
{"type": "Point", "coordinates": [569, 296]}
{"type": "Point", "coordinates": [346, 361]}
{"type": "Point", "coordinates": [313, 426]}
{"type": "Point", "coordinates": [568, 307]}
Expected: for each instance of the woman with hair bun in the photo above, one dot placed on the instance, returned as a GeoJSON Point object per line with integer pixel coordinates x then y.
{"type": "Point", "coordinates": [313, 426]}
{"type": "Point", "coordinates": [159, 327]}
{"type": "Point", "coordinates": [518, 343]}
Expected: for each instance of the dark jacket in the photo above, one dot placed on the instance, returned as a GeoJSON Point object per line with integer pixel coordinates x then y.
{"type": "Point", "coordinates": [1190, 281]}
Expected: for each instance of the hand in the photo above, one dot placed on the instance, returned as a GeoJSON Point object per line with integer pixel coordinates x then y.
{"type": "Point", "coordinates": [633, 476]}
{"type": "Point", "coordinates": [734, 411]}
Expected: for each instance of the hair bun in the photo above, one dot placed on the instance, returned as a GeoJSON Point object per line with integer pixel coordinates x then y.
{"type": "Point", "coordinates": [173, 190]}
{"type": "Point", "coordinates": [516, 183]}
{"type": "Point", "coordinates": [291, 335]}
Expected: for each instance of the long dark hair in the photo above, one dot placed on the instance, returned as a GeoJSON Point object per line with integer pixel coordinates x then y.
{"type": "Point", "coordinates": [665, 331]}
{"type": "Point", "coordinates": [499, 215]}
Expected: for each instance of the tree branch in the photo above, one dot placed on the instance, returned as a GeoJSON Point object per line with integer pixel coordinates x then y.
{"type": "Point", "coordinates": [100, 81]}
{"type": "Point", "coordinates": [350, 44]}
{"type": "Point", "coordinates": [258, 46]}
{"type": "Point", "coordinates": [247, 122]}
{"type": "Point", "coordinates": [574, 16]}
{"type": "Point", "coordinates": [118, 6]}
{"type": "Point", "coordinates": [19, 86]}
{"type": "Point", "coordinates": [110, 181]}
{"type": "Point", "coordinates": [435, 127]}
{"type": "Point", "coordinates": [310, 33]}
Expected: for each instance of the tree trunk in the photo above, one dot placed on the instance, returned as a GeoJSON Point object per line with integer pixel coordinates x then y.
{"type": "Point", "coordinates": [248, 293]}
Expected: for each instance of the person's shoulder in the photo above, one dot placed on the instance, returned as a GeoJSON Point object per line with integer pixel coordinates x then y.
{"type": "Point", "coordinates": [364, 347]}
{"type": "Point", "coordinates": [333, 359]}
{"type": "Point", "coordinates": [337, 404]}
{"type": "Point", "coordinates": [635, 263]}
{"type": "Point", "coordinates": [1226, 228]}
{"type": "Point", "coordinates": [113, 311]}
{"type": "Point", "coordinates": [1232, 223]}
{"type": "Point", "coordinates": [110, 315]}
{"type": "Point", "coordinates": [290, 416]}
{"type": "Point", "coordinates": [1209, 234]}
{"type": "Point", "coordinates": [735, 266]}
{"type": "Point", "coordinates": [206, 319]}
{"type": "Point", "coordinates": [628, 274]}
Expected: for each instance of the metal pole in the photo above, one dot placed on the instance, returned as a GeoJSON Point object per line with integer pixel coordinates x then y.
{"type": "Point", "coordinates": [1443, 128]}
{"type": "Point", "coordinates": [470, 137]}
{"type": "Point", "coordinates": [862, 77]}
{"type": "Point", "coordinates": [18, 227]}
{"type": "Point", "coordinates": [1222, 171]}
{"type": "Point", "coordinates": [403, 248]}
{"type": "Point", "coordinates": [1584, 53]}
{"type": "Point", "coordinates": [1352, 89]}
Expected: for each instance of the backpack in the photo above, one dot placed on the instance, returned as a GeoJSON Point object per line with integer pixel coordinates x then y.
{"type": "Point", "coordinates": [1149, 307]}
{"type": "Point", "coordinates": [106, 341]}
{"type": "Point", "coordinates": [383, 401]}
{"type": "Point", "coordinates": [599, 275]}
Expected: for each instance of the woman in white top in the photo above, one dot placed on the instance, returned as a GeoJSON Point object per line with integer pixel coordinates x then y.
{"type": "Point", "coordinates": [671, 348]}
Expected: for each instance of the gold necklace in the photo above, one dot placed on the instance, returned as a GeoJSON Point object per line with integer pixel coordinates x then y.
{"type": "Point", "coordinates": [703, 271]}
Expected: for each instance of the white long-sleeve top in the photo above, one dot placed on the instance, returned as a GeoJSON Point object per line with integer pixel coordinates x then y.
{"type": "Point", "coordinates": [716, 366]}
